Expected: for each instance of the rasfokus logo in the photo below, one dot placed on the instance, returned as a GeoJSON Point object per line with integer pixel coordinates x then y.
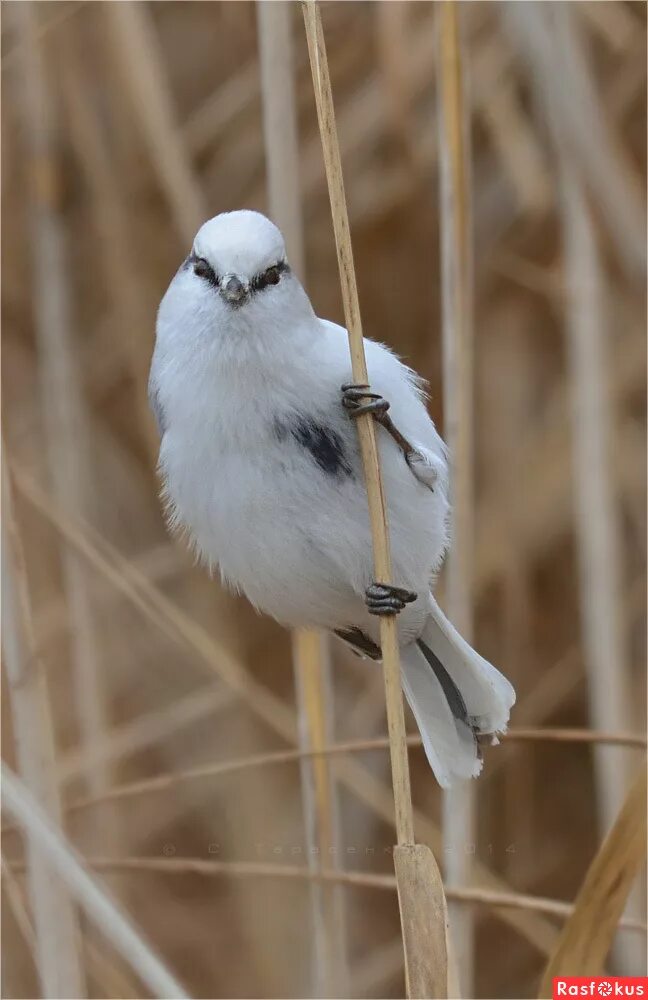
{"type": "Point", "coordinates": [593, 986]}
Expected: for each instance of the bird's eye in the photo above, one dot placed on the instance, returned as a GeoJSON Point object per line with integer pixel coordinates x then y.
{"type": "Point", "coordinates": [271, 276]}
{"type": "Point", "coordinates": [203, 269]}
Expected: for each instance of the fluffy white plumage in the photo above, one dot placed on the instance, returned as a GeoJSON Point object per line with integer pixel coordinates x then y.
{"type": "Point", "coordinates": [261, 465]}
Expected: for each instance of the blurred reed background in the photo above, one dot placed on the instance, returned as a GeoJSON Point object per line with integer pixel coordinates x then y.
{"type": "Point", "coordinates": [125, 125]}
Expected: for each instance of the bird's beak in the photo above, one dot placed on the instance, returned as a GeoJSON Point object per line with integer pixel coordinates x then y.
{"type": "Point", "coordinates": [234, 290]}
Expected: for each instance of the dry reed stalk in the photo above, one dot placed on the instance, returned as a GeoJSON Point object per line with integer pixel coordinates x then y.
{"type": "Point", "coordinates": [361, 122]}
{"type": "Point", "coordinates": [506, 373]}
{"type": "Point", "coordinates": [147, 730]}
{"type": "Point", "coordinates": [277, 63]}
{"type": "Point", "coordinates": [366, 430]}
{"type": "Point", "coordinates": [314, 694]}
{"type": "Point", "coordinates": [57, 943]}
{"type": "Point", "coordinates": [362, 115]}
{"type": "Point", "coordinates": [359, 880]}
{"type": "Point", "coordinates": [372, 972]}
{"type": "Point", "coordinates": [613, 23]}
{"type": "Point", "coordinates": [162, 612]}
{"type": "Point", "coordinates": [221, 109]}
{"type": "Point", "coordinates": [393, 37]}
{"type": "Point", "coordinates": [545, 467]}
{"type": "Point", "coordinates": [311, 662]}
{"type": "Point", "coordinates": [596, 518]}
{"type": "Point", "coordinates": [42, 30]}
{"type": "Point", "coordinates": [459, 804]}
{"type": "Point", "coordinates": [511, 131]}
{"type": "Point", "coordinates": [588, 935]}
{"type": "Point", "coordinates": [559, 682]}
{"type": "Point", "coordinates": [110, 979]}
{"type": "Point", "coordinates": [420, 891]}
{"type": "Point", "coordinates": [174, 623]}
{"type": "Point", "coordinates": [98, 906]}
{"type": "Point", "coordinates": [551, 41]}
{"type": "Point", "coordinates": [138, 51]}
{"type": "Point", "coordinates": [64, 414]}
{"type": "Point", "coordinates": [162, 782]}
{"type": "Point", "coordinates": [124, 275]}
{"type": "Point", "coordinates": [597, 522]}
{"type": "Point", "coordinates": [14, 904]}
{"type": "Point", "coordinates": [545, 550]}
{"type": "Point", "coordinates": [17, 905]}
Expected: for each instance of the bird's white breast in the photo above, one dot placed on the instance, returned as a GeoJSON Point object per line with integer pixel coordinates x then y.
{"type": "Point", "coordinates": [292, 536]}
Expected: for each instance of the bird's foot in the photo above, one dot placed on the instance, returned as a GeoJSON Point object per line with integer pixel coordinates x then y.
{"type": "Point", "coordinates": [354, 399]}
{"type": "Point", "coordinates": [383, 599]}
{"type": "Point", "coordinates": [359, 399]}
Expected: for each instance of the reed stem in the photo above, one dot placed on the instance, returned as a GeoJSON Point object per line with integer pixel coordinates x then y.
{"type": "Point", "coordinates": [459, 804]}
{"type": "Point", "coordinates": [420, 892]}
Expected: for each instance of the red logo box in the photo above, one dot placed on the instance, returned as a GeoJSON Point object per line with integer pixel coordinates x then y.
{"type": "Point", "coordinates": [600, 986]}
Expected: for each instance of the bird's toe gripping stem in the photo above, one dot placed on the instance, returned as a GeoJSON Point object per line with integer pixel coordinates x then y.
{"type": "Point", "coordinates": [353, 395]}
{"type": "Point", "coordinates": [384, 599]}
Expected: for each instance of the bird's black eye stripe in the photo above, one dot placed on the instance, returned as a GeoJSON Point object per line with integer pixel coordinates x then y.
{"type": "Point", "coordinates": [203, 269]}
{"type": "Point", "coordinates": [271, 276]}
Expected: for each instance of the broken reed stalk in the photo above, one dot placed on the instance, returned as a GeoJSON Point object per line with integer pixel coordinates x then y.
{"type": "Point", "coordinates": [57, 941]}
{"type": "Point", "coordinates": [457, 349]}
{"type": "Point", "coordinates": [64, 414]}
{"type": "Point", "coordinates": [104, 913]}
{"type": "Point", "coordinates": [420, 891]}
{"type": "Point", "coordinates": [311, 662]}
{"type": "Point", "coordinates": [587, 936]}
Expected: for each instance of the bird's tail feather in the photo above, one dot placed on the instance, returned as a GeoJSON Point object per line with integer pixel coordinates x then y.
{"type": "Point", "coordinates": [455, 696]}
{"type": "Point", "coordinates": [450, 744]}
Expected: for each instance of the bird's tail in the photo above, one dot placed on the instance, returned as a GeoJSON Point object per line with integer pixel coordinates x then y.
{"type": "Point", "coordinates": [456, 697]}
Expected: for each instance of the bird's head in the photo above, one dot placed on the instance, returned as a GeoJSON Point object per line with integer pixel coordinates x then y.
{"type": "Point", "coordinates": [236, 279]}
{"type": "Point", "coordinates": [239, 256]}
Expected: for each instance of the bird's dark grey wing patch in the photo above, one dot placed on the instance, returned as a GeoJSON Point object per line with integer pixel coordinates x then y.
{"type": "Point", "coordinates": [360, 642]}
{"type": "Point", "coordinates": [324, 444]}
{"type": "Point", "coordinates": [156, 406]}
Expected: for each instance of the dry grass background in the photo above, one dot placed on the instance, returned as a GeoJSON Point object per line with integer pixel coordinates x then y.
{"type": "Point", "coordinates": [124, 125]}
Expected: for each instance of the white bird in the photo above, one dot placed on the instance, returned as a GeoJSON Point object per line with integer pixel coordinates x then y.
{"type": "Point", "coordinates": [261, 466]}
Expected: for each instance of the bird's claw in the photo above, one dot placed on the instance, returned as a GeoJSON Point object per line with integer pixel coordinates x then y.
{"type": "Point", "coordinates": [384, 599]}
{"type": "Point", "coordinates": [353, 395]}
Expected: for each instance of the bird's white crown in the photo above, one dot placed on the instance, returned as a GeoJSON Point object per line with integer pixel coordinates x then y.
{"type": "Point", "coordinates": [243, 243]}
